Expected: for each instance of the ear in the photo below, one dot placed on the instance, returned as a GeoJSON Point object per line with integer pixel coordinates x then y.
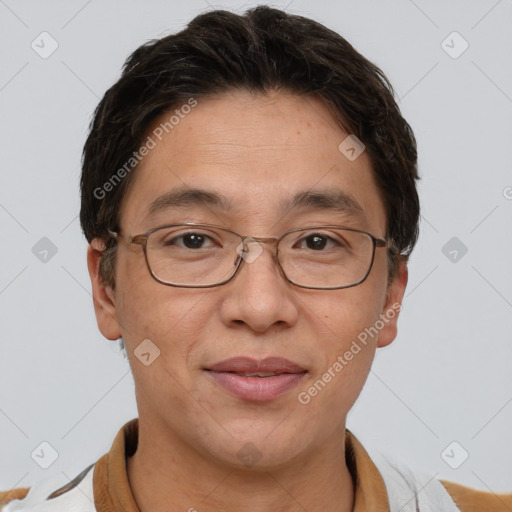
{"type": "Point", "coordinates": [393, 305]}
{"type": "Point", "coordinates": [103, 296]}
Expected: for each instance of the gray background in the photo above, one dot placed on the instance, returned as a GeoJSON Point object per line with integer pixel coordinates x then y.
{"type": "Point", "coordinates": [447, 377]}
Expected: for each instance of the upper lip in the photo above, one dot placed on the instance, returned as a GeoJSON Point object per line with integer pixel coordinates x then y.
{"type": "Point", "coordinates": [249, 365]}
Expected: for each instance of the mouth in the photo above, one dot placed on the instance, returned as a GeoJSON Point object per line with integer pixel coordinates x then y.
{"type": "Point", "coordinates": [257, 381]}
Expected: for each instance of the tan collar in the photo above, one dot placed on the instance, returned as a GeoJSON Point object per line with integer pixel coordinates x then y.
{"type": "Point", "coordinates": [113, 494]}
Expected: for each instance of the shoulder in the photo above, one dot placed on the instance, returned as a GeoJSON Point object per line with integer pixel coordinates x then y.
{"type": "Point", "coordinates": [400, 480]}
{"type": "Point", "coordinates": [472, 500]}
{"type": "Point", "coordinates": [53, 495]}
{"type": "Point", "coordinates": [14, 494]}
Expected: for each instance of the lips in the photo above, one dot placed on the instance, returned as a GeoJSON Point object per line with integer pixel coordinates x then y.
{"type": "Point", "coordinates": [253, 380]}
{"type": "Point", "coordinates": [274, 365]}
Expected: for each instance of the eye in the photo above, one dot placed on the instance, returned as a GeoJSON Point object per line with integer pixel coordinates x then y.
{"type": "Point", "coordinates": [318, 242]}
{"type": "Point", "coordinates": [191, 240]}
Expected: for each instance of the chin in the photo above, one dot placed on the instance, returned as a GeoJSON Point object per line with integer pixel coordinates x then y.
{"type": "Point", "coordinates": [258, 452]}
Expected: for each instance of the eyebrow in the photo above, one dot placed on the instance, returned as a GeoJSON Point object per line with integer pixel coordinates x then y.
{"type": "Point", "coordinates": [326, 200]}
{"type": "Point", "coordinates": [182, 198]}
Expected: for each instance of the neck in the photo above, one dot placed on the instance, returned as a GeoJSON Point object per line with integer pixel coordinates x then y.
{"type": "Point", "coordinates": [167, 475]}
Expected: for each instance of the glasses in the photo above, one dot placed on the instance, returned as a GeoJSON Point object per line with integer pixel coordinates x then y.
{"type": "Point", "coordinates": [192, 255]}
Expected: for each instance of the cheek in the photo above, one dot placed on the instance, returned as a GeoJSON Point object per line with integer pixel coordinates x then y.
{"type": "Point", "coordinates": [345, 345]}
{"type": "Point", "coordinates": [171, 318]}
{"type": "Point", "coordinates": [342, 316]}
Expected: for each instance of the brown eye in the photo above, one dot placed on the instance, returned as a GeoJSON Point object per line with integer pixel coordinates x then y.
{"type": "Point", "coordinates": [318, 242]}
{"type": "Point", "coordinates": [189, 241]}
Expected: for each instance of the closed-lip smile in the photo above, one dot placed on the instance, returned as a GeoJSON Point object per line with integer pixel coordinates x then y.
{"type": "Point", "coordinates": [256, 380]}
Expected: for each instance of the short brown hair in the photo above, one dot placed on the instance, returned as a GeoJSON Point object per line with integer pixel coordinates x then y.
{"type": "Point", "coordinates": [261, 50]}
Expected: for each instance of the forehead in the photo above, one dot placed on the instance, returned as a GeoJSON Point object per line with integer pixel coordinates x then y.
{"type": "Point", "coordinates": [249, 158]}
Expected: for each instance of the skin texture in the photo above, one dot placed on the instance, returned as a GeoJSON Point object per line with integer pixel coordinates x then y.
{"type": "Point", "coordinates": [257, 150]}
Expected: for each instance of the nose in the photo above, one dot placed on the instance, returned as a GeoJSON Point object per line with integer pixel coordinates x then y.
{"type": "Point", "coordinates": [259, 295]}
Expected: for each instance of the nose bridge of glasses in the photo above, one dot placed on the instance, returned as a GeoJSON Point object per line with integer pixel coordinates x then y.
{"type": "Point", "coordinates": [263, 240]}
{"type": "Point", "coordinates": [252, 247]}
{"type": "Point", "coordinates": [257, 241]}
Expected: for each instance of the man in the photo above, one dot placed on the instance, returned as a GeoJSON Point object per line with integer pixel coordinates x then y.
{"type": "Point", "coordinates": [249, 196]}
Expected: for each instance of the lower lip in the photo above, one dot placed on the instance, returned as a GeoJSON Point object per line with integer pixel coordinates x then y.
{"type": "Point", "coordinates": [257, 389]}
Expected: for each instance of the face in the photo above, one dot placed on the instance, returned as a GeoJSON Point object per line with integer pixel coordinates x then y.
{"type": "Point", "coordinates": [257, 151]}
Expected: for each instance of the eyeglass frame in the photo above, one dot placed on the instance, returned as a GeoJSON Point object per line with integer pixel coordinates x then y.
{"type": "Point", "coordinates": [142, 239]}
